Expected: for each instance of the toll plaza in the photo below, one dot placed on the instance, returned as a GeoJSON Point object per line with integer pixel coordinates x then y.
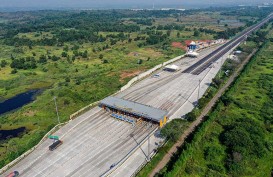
{"type": "Point", "coordinates": [133, 112]}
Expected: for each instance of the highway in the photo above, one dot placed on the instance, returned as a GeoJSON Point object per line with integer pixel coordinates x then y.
{"type": "Point", "coordinates": [201, 65]}
{"type": "Point", "coordinates": [94, 141]}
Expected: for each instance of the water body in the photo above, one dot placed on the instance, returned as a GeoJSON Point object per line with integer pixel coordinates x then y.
{"type": "Point", "coordinates": [18, 101]}
{"type": "Point", "coordinates": [7, 134]}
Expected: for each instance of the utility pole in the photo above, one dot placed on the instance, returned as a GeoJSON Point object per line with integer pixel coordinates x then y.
{"type": "Point", "coordinates": [220, 67]}
{"type": "Point", "coordinates": [57, 110]}
{"type": "Point", "coordinates": [199, 87]}
{"type": "Point", "coordinates": [148, 155]}
{"type": "Point", "coordinates": [148, 148]}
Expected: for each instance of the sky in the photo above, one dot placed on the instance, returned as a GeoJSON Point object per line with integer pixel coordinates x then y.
{"type": "Point", "coordinates": [121, 3]}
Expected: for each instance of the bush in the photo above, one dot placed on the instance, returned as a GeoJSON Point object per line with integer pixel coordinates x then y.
{"type": "Point", "coordinates": [216, 167]}
{"type": "Point", "coordinates": [14, 71]}
{"type": "Point", "coordinates": [173, 129]}
{"type": "Point", "coordinates": [191, 116]}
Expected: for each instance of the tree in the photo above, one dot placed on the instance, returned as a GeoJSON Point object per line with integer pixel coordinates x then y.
{"type": "Point", "coordinates": [178, 34]}
{"type": "Point", "coordinates": [190, 116]}
{"type": "Point", "coordinates": [196, 33]}
{"type": "Point", "coordinates": [85, 54]}
{"type": "Point", "coordinates": [3, 63]}
{"type": "Point", "coordinates": [168, 32]}
{"type": "Point", "coordinates": [173, 129]}
{"type": "Point", "coordinates": [55, 58]}
{"type": "Point", "coordinates": [64, 54]}
{"type": "Point", "coordinates": [105, 61]}
{"type": "Point", "coordinates": [73, 58]}
{"type": "Point", "coordinates": [42, 59]}
{"type": "Point", "coordinates": [14, 71]}
{"type": "Point", "coordinates": [100, 56]}
{"type": "Point", "coordinates": [66, 48]}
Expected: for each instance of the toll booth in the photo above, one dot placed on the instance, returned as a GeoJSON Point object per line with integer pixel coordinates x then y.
{"type": "Point", "coordinates": [136, 110]}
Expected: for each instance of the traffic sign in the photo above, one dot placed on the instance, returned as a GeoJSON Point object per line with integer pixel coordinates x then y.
{"type": "Point", "coordinates": [53, 137]}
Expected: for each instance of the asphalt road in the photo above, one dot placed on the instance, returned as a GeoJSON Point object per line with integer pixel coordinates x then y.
{"type": "Point", "coordinates": [205, 62]}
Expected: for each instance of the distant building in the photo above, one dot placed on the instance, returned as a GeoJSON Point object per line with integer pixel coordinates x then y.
{"type": "Point", "coordinates": [192, 46]}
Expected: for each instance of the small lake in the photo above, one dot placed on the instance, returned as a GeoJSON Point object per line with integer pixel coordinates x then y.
{"type": "Point", "coordinates": [18, 101]}
{"type": "Point", "coordinates": [7, 134]}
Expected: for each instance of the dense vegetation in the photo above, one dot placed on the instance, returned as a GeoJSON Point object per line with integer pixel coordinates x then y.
{"type": "Point", "coordinates": [236, 140]}
{"type": "Point", "coordinates": [83, 56]}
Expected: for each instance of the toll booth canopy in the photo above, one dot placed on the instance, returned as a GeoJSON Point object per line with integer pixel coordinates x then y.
{"type": "Point", "coordinates": [135, 109]}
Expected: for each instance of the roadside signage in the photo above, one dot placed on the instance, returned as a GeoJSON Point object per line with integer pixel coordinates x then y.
{"type": "Point", "coordinates": [53, 137]}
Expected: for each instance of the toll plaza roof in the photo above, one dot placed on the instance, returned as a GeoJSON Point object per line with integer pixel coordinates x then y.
{"type": "Point", "coordinates": [134, 108]}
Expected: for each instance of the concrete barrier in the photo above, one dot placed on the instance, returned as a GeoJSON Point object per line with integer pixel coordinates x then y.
{"type": "Point", "coordinates": [86, 108]}
{"type": "Point", "coordinates": [147, 73]}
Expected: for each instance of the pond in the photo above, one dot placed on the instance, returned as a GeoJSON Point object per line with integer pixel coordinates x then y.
{"type": "Point", "coordinates": [7, 134]}
{"type": "Point", "coordinates": [18, 101]}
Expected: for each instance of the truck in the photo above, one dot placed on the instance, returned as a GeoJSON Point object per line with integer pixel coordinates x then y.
{"type": "Point", "coordinates": [13, 174]}
{"type": "Point", "coordinates": [56, 144]}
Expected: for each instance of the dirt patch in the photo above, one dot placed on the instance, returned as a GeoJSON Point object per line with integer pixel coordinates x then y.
{"type": "Point", "coordinates": [128, 74]}
{"type": "Point", "coordinates": [179, 45]}
{"type": "Point", "coordinates": [30, 113]}
{"type": "Point", "coordinates": [144, 53]}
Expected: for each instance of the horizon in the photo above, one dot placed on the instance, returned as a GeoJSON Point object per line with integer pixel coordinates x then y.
{"type": "Point", "coordinates": [8, 6]}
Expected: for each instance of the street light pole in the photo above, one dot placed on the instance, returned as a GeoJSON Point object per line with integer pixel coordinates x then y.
{"type": "Point", "coordinates": [57, 110]}
{"type": "Point", "coordinates": [199, 91]}
{"type": "Point", "coordinates": [149, 148]}
{"type": "Point", "coordinates": [148, 155]}
{"type": "Point", "coordinates": [221, 67]}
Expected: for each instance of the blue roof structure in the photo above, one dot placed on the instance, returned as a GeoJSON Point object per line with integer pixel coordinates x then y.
{"type": "Point", "coordinates": [134, 108]}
